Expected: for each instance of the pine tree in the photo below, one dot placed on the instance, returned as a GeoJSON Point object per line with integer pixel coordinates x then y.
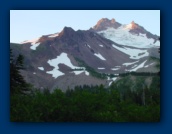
{"type": "Point", "coordinates": [17, 82]}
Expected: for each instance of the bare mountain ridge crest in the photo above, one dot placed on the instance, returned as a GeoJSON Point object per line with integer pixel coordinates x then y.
{"type": "Point", "coordinates": [102, 25]}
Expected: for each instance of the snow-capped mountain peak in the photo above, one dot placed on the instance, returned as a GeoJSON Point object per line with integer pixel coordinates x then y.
{"type": "Point", "coordinates": [127, 34]}
{"type": "Point", "coordinates": [132, 25]}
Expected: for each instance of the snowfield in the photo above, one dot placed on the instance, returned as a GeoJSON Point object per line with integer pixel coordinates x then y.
{"type": "Point", "coordinates": [99, 56]}
{"type": "Point", "coordinates": [133, 53]}
{"type": "Point", "coordinates": [101, 45]}
{"type": "Point", "coordinates": [122, 36]}
{"type": "Point", "coordinates": [62, 58]}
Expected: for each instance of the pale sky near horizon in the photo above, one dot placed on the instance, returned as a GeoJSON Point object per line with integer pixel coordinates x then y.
{"type": "Point", "coordinates": [30, 24]}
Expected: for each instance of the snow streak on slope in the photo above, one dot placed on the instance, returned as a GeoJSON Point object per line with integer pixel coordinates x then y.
{"type": "Point", "coordinates": [99, 56]}
{"type": "Point", "coordinates": [133, 53]}
{"type": "Point", "coordinates": [89, 46]}
{"type": "Point", "coordinates": [128, 64]}
{"type": "Point", "coordinates": [79, 72]}
{"type": "Point", "coordinates": [139, 66]}
{"type": "Point", "coordinates": [122, 36]}
{"type": "Point", "coordinates": [149, 64]}
{"type": "Point", "coordinates": [113, 79]}
{"type": "Point", "coordinates": [116, 68]}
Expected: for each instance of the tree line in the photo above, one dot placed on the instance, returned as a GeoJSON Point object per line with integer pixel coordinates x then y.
{"type": "Point", "coordinates": [123, 101]}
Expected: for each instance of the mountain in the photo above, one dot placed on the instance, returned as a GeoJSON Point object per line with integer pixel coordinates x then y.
{"type": "Point", "coordinates": [85, 57]}
{"type": "Point", "coordinates": [104, 23]}
{"type": "Point", "coordinates": [127, 34]}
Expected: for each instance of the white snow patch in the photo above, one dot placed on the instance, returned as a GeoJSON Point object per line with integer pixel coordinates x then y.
{"type": "Point", "coordinates": [122, 36]}
{"type": "Point", "coordinates": [34, 46]}
{"type": "Point", "coordinates": [115, 69]}
{"type": "Point", "coordinates": [113, 79]}
{"type": "Point", "coordinates": [101, 68]}
{"type": "Point", "coordinates": [149, 64]}
{"type": "Point", "coordinates": [133, 53]}
{"type": "Point", "coordinates": [62, 58]}
{"type": "Point", "coordinates": [53, 35]}
{"type": "Point", "coordinates": [41, 68]}
{"type": "Point", "coordinates": [110, 83]}
{"type": "Point", "coordinates": [139, 66]}
{"type": "Point", "coordinates": [34, 73]}
{"type": "Point", "coordinates": [108, 78]}
{"type": "Point", "coordinates": [55, 73]}
{"type": "Point", "coordinates": [101, 45]}
{"type": "Point", "coordinates": [87, 73]}
{"type": "Point", "coordinates": [127, 64]}
{"type": "Point", "coordinates": [99, 56]}
{"type": "Point", "coordinates": [78, 72]}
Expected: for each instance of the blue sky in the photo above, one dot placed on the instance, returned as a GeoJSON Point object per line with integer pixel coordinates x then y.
{"type": "Point", "coordinates": [30, 24]}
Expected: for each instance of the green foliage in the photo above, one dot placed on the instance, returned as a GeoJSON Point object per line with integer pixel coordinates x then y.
{"type": "Point", "coordinates": [138, 74]}
{"type": "Point", "coordinates": [17, 82]}
{"type": "Point", "coordinates": [118, 103]}
{"type": "Point", "coordinates": [91, 70]}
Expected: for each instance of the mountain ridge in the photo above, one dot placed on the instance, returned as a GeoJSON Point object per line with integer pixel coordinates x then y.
{"type": "Point", "coordinates": [51, 59]}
